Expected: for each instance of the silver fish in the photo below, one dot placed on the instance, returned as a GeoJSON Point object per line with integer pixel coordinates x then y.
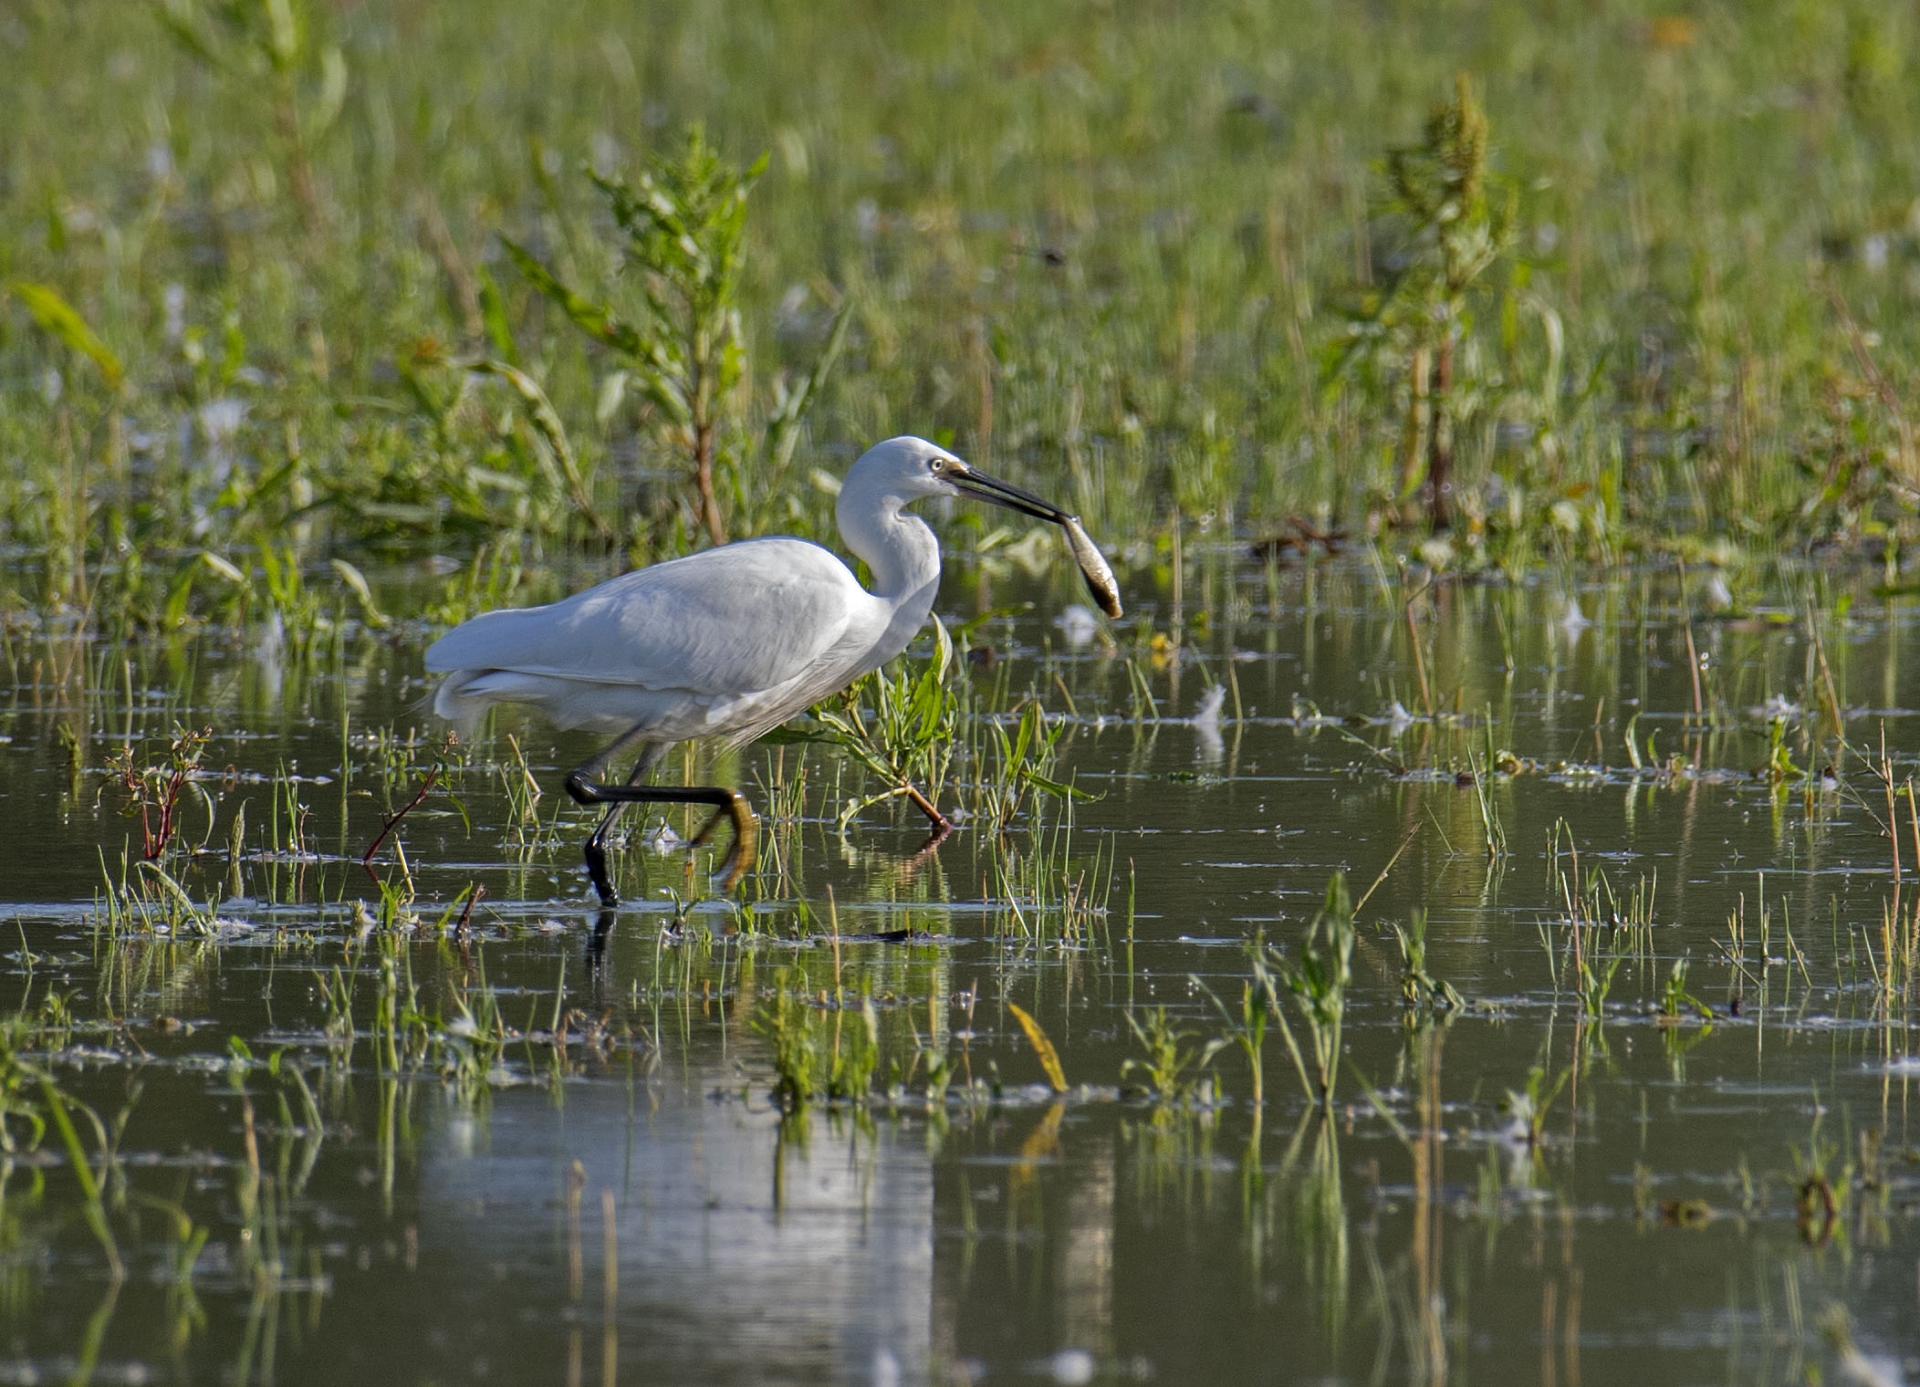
{"type": "Point", "coordinates": [1093, 567]}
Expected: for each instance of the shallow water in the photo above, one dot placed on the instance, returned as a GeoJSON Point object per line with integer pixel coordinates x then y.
{"type": "Point", "coordinates": [618, 1196]}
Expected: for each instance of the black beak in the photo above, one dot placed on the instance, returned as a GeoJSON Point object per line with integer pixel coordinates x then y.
{"type": "Point", "coordinates": [970, 481]}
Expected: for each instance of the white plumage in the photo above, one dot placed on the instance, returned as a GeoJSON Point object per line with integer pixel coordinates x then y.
{"type": "Point", "coordinates": [726, 643]}
{"type": "Point", "coordinates": [674, 647]}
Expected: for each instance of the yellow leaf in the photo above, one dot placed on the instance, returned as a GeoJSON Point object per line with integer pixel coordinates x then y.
{"type": "Point", "coordinates": [1041, 1143]}
{"type": "Point", "coordinates": [1672, 31]}
{"type": "Point", "coordinates": [1049, 1057]}
{"type": "Point", "coordinates": [59, 319]}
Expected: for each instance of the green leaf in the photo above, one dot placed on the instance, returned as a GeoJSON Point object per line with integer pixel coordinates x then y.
{"type": "Point", "coordinates": [493, 315]}
{"type": "Point", "coordinates": [1057, 788]}
{"type": "Point", "coordinates": [177, 17]}
{"type": "Point", "coordinates": [178, 597]}
{"type": "Point", "coordinates": [356, 582]}
{"type": "Point", "coordinates": [942, 649]}
{"type": "Point", "coordinates": [222, 566]}
{"type": "Point", "coordinates": [333, 92]}
{"type": "Point", "coordinates": [283, 39]}
{"type": "Point", "coordinates": [783, 429]}
{"type": "Point", "coordinates": [59, 319]}
{"type": "Point", "coordinates": [794, 736]}
{"type": "Point", "coordinates": [596, 320]}
{"type": "Point", "coordinates": [546, 422]}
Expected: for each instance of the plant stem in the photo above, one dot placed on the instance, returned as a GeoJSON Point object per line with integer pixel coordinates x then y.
{"type": "Point", "coordinates": [703, 480]}
{"type": "Point", "coordinates": [1440, 437]}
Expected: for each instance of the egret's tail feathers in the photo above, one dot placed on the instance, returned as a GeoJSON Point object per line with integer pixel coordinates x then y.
{"type": "Point", "coordinates": [463, 699]}
{"type": "Point", "coordinates": [590, 704]}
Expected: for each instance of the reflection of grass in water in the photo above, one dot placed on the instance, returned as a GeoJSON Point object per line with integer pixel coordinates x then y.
{"type": "Point", "coordinates": [1172, 1151]}
{"type": "Point", "coordinates": [1604, 930]}
{"type": "Point", "coordinates": [826, 1051]}
{"type": "Point", "coordinates": [34, 1105]}
{"type": "Point", "coordinates": [428, 1019]}
{"type": "Point", "coordinates": [1822, 1183]}
{"type": "Point", "coordinates": [1046, 887]}
{"type": "Point", "coordinates": [1420, 990]}
{"type": "Point", "coordinates": [1319, 1218]}
{"type": "Point", "coordinates": [1596, 903]}
{"type": "Point", "coordinates": [1529, 1107]}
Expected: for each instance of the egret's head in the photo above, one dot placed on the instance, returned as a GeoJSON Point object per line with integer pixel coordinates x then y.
{"type": "Point", "coordinates": [909, 469]}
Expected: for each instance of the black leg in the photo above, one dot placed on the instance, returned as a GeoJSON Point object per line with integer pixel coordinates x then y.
{"type": "Point", "coordinates": [585, 789]}
{"type": "Point", "coordinates": [597, 943]}
{"type": "Point", "coordinates": [581, 786]}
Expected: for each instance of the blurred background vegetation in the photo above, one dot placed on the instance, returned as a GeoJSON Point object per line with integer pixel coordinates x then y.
{"type": "Point", "coordinates": [1637, 280]}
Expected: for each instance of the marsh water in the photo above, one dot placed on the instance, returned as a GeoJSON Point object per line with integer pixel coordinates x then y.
{"type": "Point", "coordinates": [435, 1136]}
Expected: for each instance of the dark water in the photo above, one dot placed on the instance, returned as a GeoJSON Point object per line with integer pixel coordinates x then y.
{"type": "Point", "coordinates": [614, 1196]}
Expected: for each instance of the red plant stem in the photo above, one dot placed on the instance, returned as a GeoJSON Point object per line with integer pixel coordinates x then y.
{"type": "Point", "coordinates": [927, 807]}
{"type": "Point", "coordinates": [367, 860]}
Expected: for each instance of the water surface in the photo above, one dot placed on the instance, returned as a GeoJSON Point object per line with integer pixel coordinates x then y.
{"type": "Point", "coordinates": [293, 1078]}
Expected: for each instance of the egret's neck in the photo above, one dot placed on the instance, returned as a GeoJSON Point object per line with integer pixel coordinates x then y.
{"type": "Point", "coordinates": [904, 558]}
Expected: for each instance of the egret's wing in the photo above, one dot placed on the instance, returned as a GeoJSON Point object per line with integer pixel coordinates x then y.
{"type": "Point", "coordinates": [745, 617]}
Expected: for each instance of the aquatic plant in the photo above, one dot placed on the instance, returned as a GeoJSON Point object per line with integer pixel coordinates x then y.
{"type": "Point", "coordinates": [1022, 766]}
{"type": "Point", "coordinates": [1048, 888]}
{"type": "Point", "coordinates": [682, 347]}
{"type": "Point", "coordinates": [335, 988]}
{"type": "Point", "coordinates": [1168, 1058]}
{"type": "Point", "coordinates": [829, 1052]}
{"type": "Point", "coordinates": [1043, 1049]}
{"type": "Point", "coordinates": [905, 739]}
{"type": "Point", "coordinates": [1604, 930]}
{"type": "Point", "coordinates": [490, 579]}
{"type": "Point", "coordinates": [1420, 990]}
{"type": "Point", "coordinates": [154, 791]}
{"type": "Point", "coordinates": [1315, 980]}
{"type": "Point", "coordinates": [471, 1042]}
{"type": "Point", "coordinates": [530, 462]}
{"type": "Point", "coordinates": [1247, 1030]}
{"type": "Point", "coordinates": [1822, 1183]}
{"type": "Point", "coordinates": [1597, 971]}
{"type": "Point", "coordinates": [1458, 223]}
{"type": "Point", "coordinates": [854, 1055]}
{"type": "Point", "coordinates": [1529, 1107]}
{"type": "Point", "coordinates": [1676, 1001]}
{"type": "Point", "coordinates": [1494, 829]}
{"type": "Point", "coordinates": [148, 899]}
{"type": "Point", "coordinates": [284, 42]}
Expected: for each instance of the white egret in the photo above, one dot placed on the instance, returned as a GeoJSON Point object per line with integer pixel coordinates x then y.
{"type": "Point", "coordinates": [729, 642]}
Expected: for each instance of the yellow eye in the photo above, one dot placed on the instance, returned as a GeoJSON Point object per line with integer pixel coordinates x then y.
{"type": "Point", "coordinates": [939, 465]}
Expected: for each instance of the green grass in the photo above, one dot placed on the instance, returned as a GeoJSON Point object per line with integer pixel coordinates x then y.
{"type": "Point", "coordinates": [1112, 250]}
